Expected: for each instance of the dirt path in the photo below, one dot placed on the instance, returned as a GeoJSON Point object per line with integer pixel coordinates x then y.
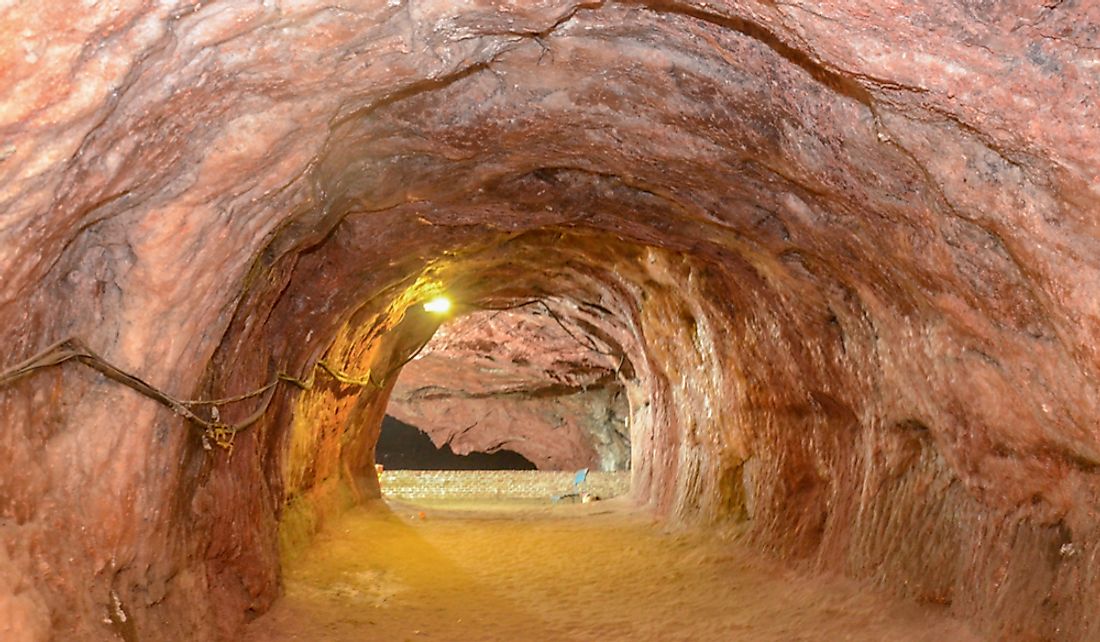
{"type": "Point", "coordinates": [579, 572]}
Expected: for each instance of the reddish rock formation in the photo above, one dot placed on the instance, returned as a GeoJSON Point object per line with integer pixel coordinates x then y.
{"type": "Point", "coordinates": [849, 250]}
{"type": "Point", "coordinates": [520, 380]}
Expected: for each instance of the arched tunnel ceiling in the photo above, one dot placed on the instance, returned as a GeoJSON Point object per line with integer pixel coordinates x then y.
{"type": "Point", "coordinates": [850, 249]}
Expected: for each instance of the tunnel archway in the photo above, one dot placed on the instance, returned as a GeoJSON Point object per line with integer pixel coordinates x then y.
{"type": "Point", "coordinates": [587, 297]}
{"type": "Point", "coordinates": [403, 446]}
{"type": "Point", "coordinates": [520, 379]}
{"type": "Point", "coordinates": [854, 277]}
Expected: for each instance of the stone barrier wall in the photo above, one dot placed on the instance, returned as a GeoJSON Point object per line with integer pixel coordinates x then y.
{"type": "Point", "coordinates": [517, 484]}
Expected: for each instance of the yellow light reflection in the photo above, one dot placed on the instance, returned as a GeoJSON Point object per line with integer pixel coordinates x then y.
{"type": "Point", "coordinates": [438, 305]}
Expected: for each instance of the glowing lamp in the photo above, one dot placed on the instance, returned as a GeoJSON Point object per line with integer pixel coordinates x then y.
{"type": "Point", "coordinates": [438, 305]}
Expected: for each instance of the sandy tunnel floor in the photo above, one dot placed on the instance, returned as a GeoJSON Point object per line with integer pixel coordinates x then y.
{"type": "Point", "coordinates": [602, 571]}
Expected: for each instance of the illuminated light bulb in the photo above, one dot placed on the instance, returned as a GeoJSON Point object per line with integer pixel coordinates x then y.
{"type": "Point", "coordinates": [438, 305]}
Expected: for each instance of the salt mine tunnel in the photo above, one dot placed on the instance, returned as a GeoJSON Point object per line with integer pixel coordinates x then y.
{"type": "Point", "coordinates": [833, 268]}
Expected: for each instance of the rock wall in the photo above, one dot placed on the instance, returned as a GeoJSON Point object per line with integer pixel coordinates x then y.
{"type": "Point", "coordinates": [520, 380]}
{"type": "Point", "coordinates": [848, 252]}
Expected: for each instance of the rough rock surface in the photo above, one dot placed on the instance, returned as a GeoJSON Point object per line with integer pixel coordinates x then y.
{"type": "Point", "coordinates": [520, 380]}
{"type": "Point", "coordinates": [849, 249]}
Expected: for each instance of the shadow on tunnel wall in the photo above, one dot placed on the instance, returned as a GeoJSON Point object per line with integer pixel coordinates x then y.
{"type": "Point", "coordinates": [402, 446]}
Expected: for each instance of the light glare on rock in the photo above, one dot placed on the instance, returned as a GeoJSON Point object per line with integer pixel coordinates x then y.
{"type": "Point", "coordinates": [438, 305]}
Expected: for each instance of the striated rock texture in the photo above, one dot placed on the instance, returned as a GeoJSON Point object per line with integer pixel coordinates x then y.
{"type": "Point", "coordinates": [849, 251]}
{"type": "Point", "coordinates": [519, 380]}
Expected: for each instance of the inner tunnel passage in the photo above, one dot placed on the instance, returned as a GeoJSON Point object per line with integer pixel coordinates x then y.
{"type": "Point", "coordinates": [496, 555]}
{"type": "Point", "coordinates": [525, 386]}
{"type": "Point", "coordinates": [402, 446]}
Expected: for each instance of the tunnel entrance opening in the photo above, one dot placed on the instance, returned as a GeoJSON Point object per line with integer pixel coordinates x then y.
{"type": "Point", "coordinates": [525, 390]}
{"type": "Point", "coordinates": [402, 446]}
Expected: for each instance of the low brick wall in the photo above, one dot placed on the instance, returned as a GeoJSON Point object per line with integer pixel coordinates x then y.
{"type": "Point", "coordinates": [488, 484]}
